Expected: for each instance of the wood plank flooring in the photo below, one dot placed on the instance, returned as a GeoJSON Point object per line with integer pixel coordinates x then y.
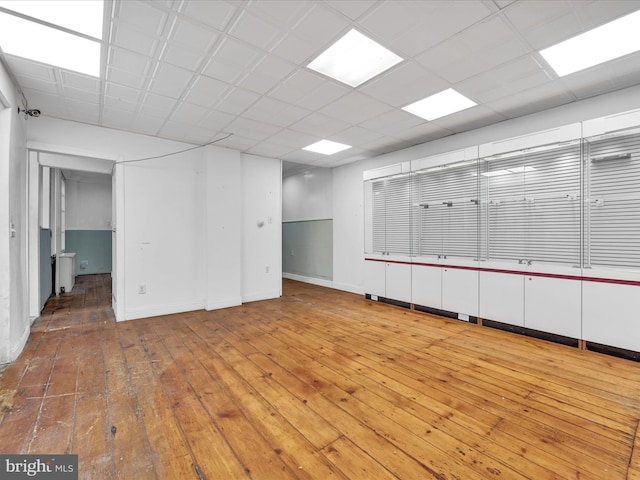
{"type": "Point", "coordinates": [318, 384]}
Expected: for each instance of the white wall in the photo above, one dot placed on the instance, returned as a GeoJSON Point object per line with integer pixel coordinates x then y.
{"type": "Point", "coordinates": [261, 228]}
{"type": "Point", "coordinates": [88, 204]}
{"type": "Point", "coordinates": [308, 195]}
{"type": "Point", "coordinates": [14, 305]}
{"type": "Point", "coordinates": [185, 221]}
{"type": "Point", "coordinates": [348, 222]}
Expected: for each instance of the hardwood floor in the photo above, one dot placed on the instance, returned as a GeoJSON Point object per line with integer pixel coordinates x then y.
{"type": "Point", "coordinates": [318, 384]}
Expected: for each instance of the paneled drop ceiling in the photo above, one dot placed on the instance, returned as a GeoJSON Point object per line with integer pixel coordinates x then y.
{"type": "Point", "coordinates": [196, 71]}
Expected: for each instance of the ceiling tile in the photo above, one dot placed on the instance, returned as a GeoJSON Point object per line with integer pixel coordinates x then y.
{"type": "Point", "coordinates": [321, 26]}
{"type": "Point", "coordinates": [237, 54]}
{"type": "Point", "coordinates": [37, 84]}
{"type": "Point", "coordinates": [21, 66]}
{"type": "Point", "coordinates": [296, 49]}
{"type": "Point", "coordinates": [123, 93]}
{"type": "Point", "coordinates": [390, 19]}
{"type": "Point", "coordinates": [479, 48]}
{"type": "Point", "coordinates": [124, 78]}
{"type": "Point", "coordinates": [469, 119]}
{"type": "Point", "coordinates": [189, 114]}
{"type": "Point", "coordinates": [423, 133]}
{"type": "Point", "coordinates": [84, 95]}
{"type": "Point", "coordinates": [351, 8]}
{"type": "Point", "coordinates": [120, 104]}
{"type": "Point", "coordinates": [216, 14]}
{"type": "Point", "coordinates": [326, 93]}
{"type": "Point", "coordinates": [143, 16]}
{"type": "Point", "coordinates": [448, 19]}
{"type": "Point", "coordinates": [181, 57]}
{"type": "Point", "coordinates": [319, 125]}
{"type": "Point", "coordinates": [283, 13]}
{"type": "Point", "coordinates": [128, 61]}
{"type": "Point", "coordinates": [255, 31]}
{"type": "Point", "coordinates": [117, 118]}
{"type": "Point", "coordinates": [207, 91]}
{"type": "Point", "coordinates": [271, 111]}
{"type": "Point", "coordinates": [297, 86]}
{"type": "Point", "coordinates": [518, 75]}
{"type": "Point", "coordinates": [83, 82]}
{"type": "Point", "coordinates": [215, 120]}
{"type": "Point", "coordinates": [267, 74]}
{"type": "Point", "coordinates": [355, 107]}
{"type": "Point", "coordinates": [157, 105]}
{"type": "Point", "coordinates": [222, 71]}
{"type": "Point", "coordinates": [186, 132]}
{"type": "Point", "coordinates": [356, 136]}
{"type": "Point", "coordinates": [392, 122]}
{"type": "Point", "coordinates": [267, 149]}
{"type": "Point", "coordinates": [146, 124]}
{"type": "Point", "coordinates": [248, 128]}
{"type": "Point", "coordinates": [533, 100]}
{"type": "Point", "coordinates": [237, 101]}
{"type": "Point", "coordinates": [193, 37]}
{"type": "Point", "coordinates": [170, 81]}
{"type": "Point", "coordinates": [128, 38]}
{"type": "Point", "coordinates": [238, 142]}
{"type": "Point", "coordinates": [292, 139]}
{"type": "Point", "coordinates": [404, 84]}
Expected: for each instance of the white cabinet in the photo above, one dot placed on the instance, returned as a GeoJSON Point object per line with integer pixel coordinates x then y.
{"type": "Point", "coordinates": [67, 266]}
{"type": "Point", "coordinates": [426, 286]}
{"type": "Point", "coordinates": [502, 297]}
{"type": "Point", "coordinates": [460, 290]}
{"type": "Point", "coordinates": [610, 314]}
{"type": "Point", "coordinates": [388, 279]}
{"type": "Point", "coordinates": [553, 305]}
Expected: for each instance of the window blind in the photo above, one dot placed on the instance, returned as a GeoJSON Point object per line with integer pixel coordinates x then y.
{"type": "Point", "coordinates": [532, 205]}
{"type": "Point", "coordinates": [392, 215]}
{"type": "Point", "coordinates": [613, 203]}
{"type": "Point", "coordinates": [446, 215]}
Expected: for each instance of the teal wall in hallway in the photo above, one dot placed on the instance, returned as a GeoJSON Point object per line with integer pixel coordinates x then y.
{"type": "Point", "coordinates": [94, 246]}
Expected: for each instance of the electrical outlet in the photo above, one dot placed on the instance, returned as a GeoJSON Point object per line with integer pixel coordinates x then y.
{"type": "Point", "coordinates": [142, 289]}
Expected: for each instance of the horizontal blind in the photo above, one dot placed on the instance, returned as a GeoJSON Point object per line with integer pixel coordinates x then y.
{"type": "Point", "coordinates": [532, 206]}
{"type": "Point", "coordinates": [446, 213]}
{"type": "Point", "coordinates": [392, 215]}
{"type": "Point", "coordinates": [613, 203]}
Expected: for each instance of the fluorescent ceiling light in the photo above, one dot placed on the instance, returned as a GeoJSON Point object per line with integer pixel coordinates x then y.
{"type": "Point", "coordinates": [79, 16]}
{"type": "Point", "coordinates": [604, 43]}
{"type": "Point", "coordinates": [440, 105]}
{"type": "Point", "coordinates": [33, 41]}
{"type": "Point", "coordinates": [354, 59]}
{"type": "Point", "coordinates": [326, 147]}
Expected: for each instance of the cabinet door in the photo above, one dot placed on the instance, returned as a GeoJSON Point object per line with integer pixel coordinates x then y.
{"type": "Point", "coordinates": [610, 314]}
{"type": "Point", "coordinates": [460, 290]}
{"type": "Point", "coordinates": [426, 286]}
{"type": "Point", "coordinates": [553, 305]}
{"type": "Point", "coordinates": [502, 297]}
{"type": "Point", "coordinates": [398, 282]}
{"type": "Point", "coordinates": [374, 278]}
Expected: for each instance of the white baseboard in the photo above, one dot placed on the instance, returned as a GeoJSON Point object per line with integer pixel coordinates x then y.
{"type": "Point", "coordinates": [16, 349]}
{"type": "Point", "coordinates": [324, 283]}
{"type": "Point", "coordinates": [226, 303]}
{"type": "Point", "coordinates": [157, 310]}
{"type": "Point", "coordinates": [254, 297]}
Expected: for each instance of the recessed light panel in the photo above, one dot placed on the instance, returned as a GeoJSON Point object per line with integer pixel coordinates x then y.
{"type": "Point", "coordinates": [79, 16]}
{"type": "Point", "coordinates": [326, 147]}
{"type": "Point", "coordinates": [354, 59]}
{"type": "Point", "coordinates": [440, 105]}
{"type": "Point", "coordinates": [611, 40]}
{"type": "Point", "coordinates": [33, 41]}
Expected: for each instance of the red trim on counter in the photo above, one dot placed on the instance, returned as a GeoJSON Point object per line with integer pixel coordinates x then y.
{"type": "Point", "coordinates": [616, 281]}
